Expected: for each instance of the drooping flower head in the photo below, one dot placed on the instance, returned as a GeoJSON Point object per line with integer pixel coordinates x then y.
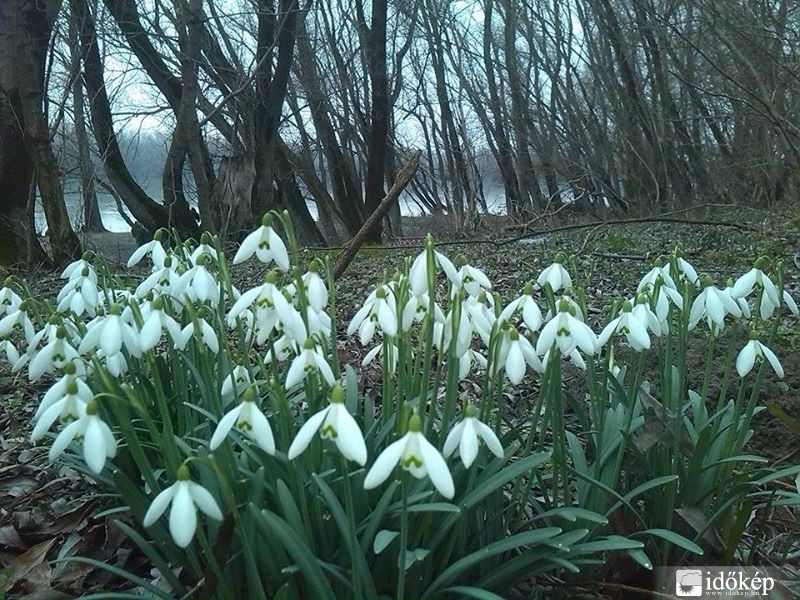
{"type": "Point", "coordinates": [416, 455]}
{"type": "Point", "coordinates": [466, 436]}
{"type": "Point", "coordinates": [555, 275]}
{"type": "Point", "coordinates": [186, 497]}
{"type": "Point", "coordinates": [266, 244]}
{"type": "Point", "coordinates": [333, 423]}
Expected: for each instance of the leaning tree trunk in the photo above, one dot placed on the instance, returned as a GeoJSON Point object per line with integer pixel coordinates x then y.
{"type": "Point", "coordinates": [25, 29]}
{"type": "Point", "coordinates": [144, 209]}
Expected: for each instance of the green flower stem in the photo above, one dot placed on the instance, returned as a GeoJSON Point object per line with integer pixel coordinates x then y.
{"type": "Point", "coordinates": [401, 575]}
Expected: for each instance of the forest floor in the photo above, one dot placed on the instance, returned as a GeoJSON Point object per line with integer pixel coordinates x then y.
{"type": "Point", "coordinates": [49, 512]}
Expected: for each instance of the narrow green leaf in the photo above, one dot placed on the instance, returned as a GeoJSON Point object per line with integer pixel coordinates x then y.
{"type": "Point", "coordinates": [674, 538]}
{"type": "Point", "coordinates": [273, 526]}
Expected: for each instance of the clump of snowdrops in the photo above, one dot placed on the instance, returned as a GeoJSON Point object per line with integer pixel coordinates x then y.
{"type": "Point", "coordinates": [248, 463]}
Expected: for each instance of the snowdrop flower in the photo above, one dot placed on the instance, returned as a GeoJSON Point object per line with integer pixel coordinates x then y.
{"type": "Point", "coordinates": [685, 269]}
{"type": "Point", "coordinates": [756, 277]}
{"type": "Point", "coordinates": [333, 423]}
{"type": "Point", "coordinates": [311, 358]}
{"type": "Point", "coordinates": [629, 326]}
{"type": "Point", "coordinates": [59, 389]}
{"type": "Point", "coordinates": [290, 318]}
{"type": "Point", "coordinates": [80, 268]}
{"type": "Point", "coordinates": [657, 276]}
{"type": "Point", "coordinates": [417, 456]}
{"type": "Point", "coordinates": [238, 381]}
{"type": "Point", "coordinates": [713, 305]}
{"type": "Point", "coordinates": [152, 248]}
{"type": "Point", "coordinates": [155, 323]}
{"type": "Point", "coordinates": [115, 363]}
{"type": "Point", "coordinates": [754, 351]}
{"type": "Point", "coordinates": [378, 309]}
{"type": "Point", "coordinates": [203, 331]}
{"type": "Point", "coordinates": [641, 310]}
{"type": "Point", "coordinates": [418, 276]}
{"type": "Point", "coordinates": [69, 407]}
{"type": "Point", "coordinates": [790, 303]}
{"type": "Point", "coordinates": [53, 356]}
{"type": "Point", "coordinates": [98, 441]}
{"type": "Point", "coordinates": [531, 313]}
{"type": "Point", "coordinates": [204, 248]}
{"type": "Point", "coordinates": [556, 275]}
{"type": "Point", "coordinates": [18, 318]}
{"type": "Point", "coordinates": [316, 290]}
{"type": "Point", "coordinates": [79, 295]}
{"type": "Point", "coordinates": [319, 323]}
{"type": "Point", "coordinates": [9, 299]}
{"type": "Point", "coordinates": [471, 279]}
{"type": "Point", "coordinates": [186, 497]}
{"type": "Point", "coordinates": [466, 436]}
{"type": "Point", "coordinates": [574, 308]}
{"type": "Point", "coordinates": [567, 332]}
{"type": "Point", "coordinates": [378, 351]}
{"type": "Point", "coordinates": [198, 284]}
{"type": "Point", "coordinates": [741, 302]}
{"type": "Point", "coordinates": [516, 355]}
{"type": "Point", "coordinates": [110, 333]}
{"type": "Point", "coordinates": [479, 310]}
{"type": "Point", "coordinates": [266, 245]}
{"type": "Point", "coordinates": [248, 419]}
{"type": "Point", "coordinates": [164, 280]}
{"type": "Point", "coordinates": [416, 308]}
{"type": "Point", "coordinates": [466, 361]}
{"type": "Point", "coordinates": [280, 350]}
{"type": "Point", "coordinates": [10, 350]}
{"type": "Point", "coordinates": [768, 304]}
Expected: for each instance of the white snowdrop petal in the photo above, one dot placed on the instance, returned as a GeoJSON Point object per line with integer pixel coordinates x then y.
{"type": "Point", "coordinates": [436, 467]}
{"type": "Point", "coordinates": [746, 359]}
{"type": "Point", "coordinates": [350, 440]}
{"type": "Point", "coordinates": [306, 433]}
{"type": "Point", "coordinates": [224, 427]}
{"type": "Point", "coordinates": [773, 361]}
{"type": "Point", "coordinates": [490, 438]}
{"type": "Point", "coordinates": [385, 463]}
{"type": "Point", "coordinates": [182, 515]}
{"type": "Point", "coordinates": [204, 500]}
{"type": "Point", "coordinates": [453, 439]}
{"type": "Point", "coordinates": [468, 448]}
{"type": "Point", "coordinates": [158, 506]}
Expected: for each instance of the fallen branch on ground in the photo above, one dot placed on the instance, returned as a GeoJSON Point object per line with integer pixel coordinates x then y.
{"type": "Point", "coordinates": [351, 248]}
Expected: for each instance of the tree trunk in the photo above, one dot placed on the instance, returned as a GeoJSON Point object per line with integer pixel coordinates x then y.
{"type": "Point", "coordinates": [92, 220]}
{"type": "Point", "coordinates": [379, 121]}
{"type": "Point", "coordinates": [144, 209]}
{"type": "Point", "coordinates": [25, 28]}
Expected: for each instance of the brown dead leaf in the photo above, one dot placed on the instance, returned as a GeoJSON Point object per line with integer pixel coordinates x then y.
{"type": "Point", "coordinates": [26, 565]}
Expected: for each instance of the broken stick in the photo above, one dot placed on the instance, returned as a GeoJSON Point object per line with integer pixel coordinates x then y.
{"type": "Point", "coordinates": [351, 248]}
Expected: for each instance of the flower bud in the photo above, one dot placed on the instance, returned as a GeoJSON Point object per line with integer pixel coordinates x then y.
{"type": "Point", "coordinates": [337, 393]}
{"type": "Point", "coordinates": [183, 473]}
{"type": "Point", "coordinates": [415, 423]}
{"type": "Point", "coordinates": [249, 394]}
